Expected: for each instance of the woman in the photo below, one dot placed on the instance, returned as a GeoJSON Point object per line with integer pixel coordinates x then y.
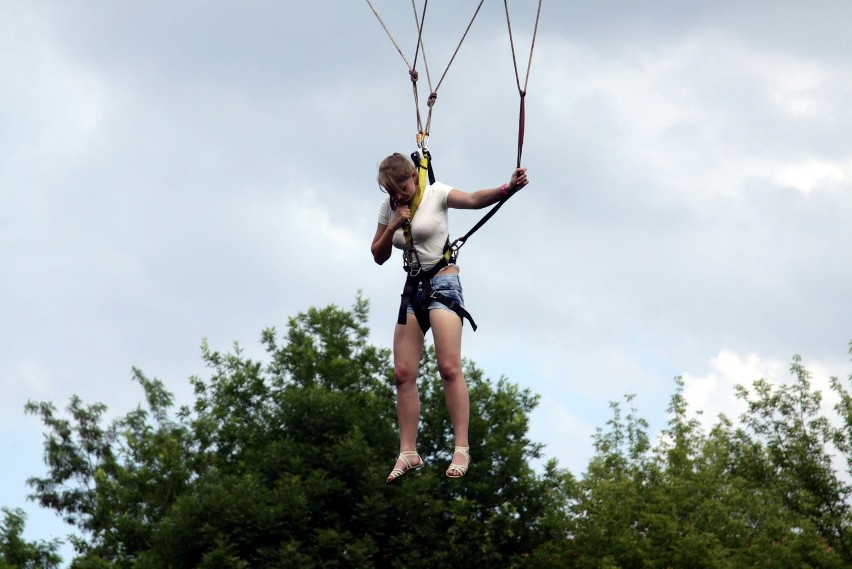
{"type": "Point", "coordinates": [414, 219]}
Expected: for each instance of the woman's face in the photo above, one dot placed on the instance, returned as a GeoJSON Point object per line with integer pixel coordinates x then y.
{"type": "Point", "coordinates": [403, 194]}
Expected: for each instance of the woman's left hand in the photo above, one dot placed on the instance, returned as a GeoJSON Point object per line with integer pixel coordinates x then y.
{"type": "Point", "coordinates": [519, 179]}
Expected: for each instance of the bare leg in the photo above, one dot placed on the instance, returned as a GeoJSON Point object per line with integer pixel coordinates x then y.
{"type": "Point", "coordinates": [447, 333]}
{"type": "Point", "coordinates": [407, 348]}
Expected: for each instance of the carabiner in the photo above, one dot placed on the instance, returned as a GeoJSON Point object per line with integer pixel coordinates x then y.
{"type": "Point", "coordinates": [422, 139]}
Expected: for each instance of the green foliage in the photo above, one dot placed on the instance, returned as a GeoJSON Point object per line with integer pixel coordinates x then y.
{"type": "Point", "coordinates": [762, 495]}
{"type": "Point", "coordinates": [113, 482]}
{"type": "Point", "coordinates": [281, 463]}
{"type": "Point", "coordinates": [799, 441]}
{"type": "Point", "coordinates": [16, 553]}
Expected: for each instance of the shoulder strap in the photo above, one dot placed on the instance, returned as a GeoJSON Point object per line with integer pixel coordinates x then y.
{"type": "Point", "coordinates": [424, 165]}
{"type": "Point", "coordinates": [423, 162]}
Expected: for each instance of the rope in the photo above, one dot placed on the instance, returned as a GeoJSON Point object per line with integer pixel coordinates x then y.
{"type": "Point", "coordinates": [521, 120]}
{"type": "Point", "coordinates": [521, 91]}
{"type": "Point", "coordinates": [512, 44]}
{"type": "Point", "coordinates": [460, 44]}
{"type": "Point", "coordinates": [423, 133]}
{"type": "Point", "coordinates": [433, 96]}
{"type": "Point", "coordinates": [393, 41]}
{"type": "Point", "coordinates": [418, 20]}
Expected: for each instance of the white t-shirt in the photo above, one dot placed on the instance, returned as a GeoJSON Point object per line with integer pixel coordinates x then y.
{"type": "Point", "coordinates": [429, 229]}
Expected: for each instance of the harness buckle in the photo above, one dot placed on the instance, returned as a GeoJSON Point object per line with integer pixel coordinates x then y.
{"type": "Point", "coordinates": [454, 249]}
{"type": "Point", "coordinates": [412, 263]}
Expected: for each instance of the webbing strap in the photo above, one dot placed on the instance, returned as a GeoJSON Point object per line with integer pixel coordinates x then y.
{"type": "Point", "coordinates": [423, 162]}
{"type": "Point", "coordinates": [421, 310]}
{"type": "Point", "coordinates": [454, 306]}
{"type": "Point", "coordinates": [408, 291]}
{"type": "Point", "coordinates": [521, 119]}
{"type": "Point", "coordinates": [424, 165]}
{"type": "Point", "coordinates": [461, 240]}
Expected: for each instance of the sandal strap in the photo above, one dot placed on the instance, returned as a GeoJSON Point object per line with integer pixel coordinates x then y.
{"type": "Point", "coordinates": [464, 450]}
{"type": "Point", "coordinates": [460, 468]}
{"type": "Point", "coordinates": [404, 456]}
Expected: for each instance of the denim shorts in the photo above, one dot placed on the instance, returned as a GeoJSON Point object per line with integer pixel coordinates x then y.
{"type": "Point", "coordinates": [449, 286]}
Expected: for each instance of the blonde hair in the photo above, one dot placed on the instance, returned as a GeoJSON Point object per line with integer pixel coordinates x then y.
{"type": "Point", "coordinates": [394, 171]}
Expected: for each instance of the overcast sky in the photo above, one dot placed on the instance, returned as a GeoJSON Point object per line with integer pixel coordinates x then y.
{"type": "Point", "coordinates": [174, 171]}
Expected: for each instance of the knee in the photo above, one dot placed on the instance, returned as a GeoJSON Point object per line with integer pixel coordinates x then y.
{"type": "Point", "coordinates": [450, 371]}
{"type": "Point", "coordinates": [403, 375]}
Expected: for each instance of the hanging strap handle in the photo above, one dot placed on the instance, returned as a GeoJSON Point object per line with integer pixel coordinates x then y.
{"type": "Point", "coordinates": [522, 92]}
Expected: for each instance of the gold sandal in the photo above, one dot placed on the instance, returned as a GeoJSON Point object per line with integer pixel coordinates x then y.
{"type": "Point", "coordinates": [459, 470]}
{"type": "Point", "coordinates": [404, 456]}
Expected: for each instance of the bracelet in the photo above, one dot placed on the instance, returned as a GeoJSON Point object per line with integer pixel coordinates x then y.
{"type": "Point", "coordinates": [503, 189]}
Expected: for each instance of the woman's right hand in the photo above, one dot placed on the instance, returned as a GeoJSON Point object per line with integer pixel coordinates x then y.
{"type": "Point", "coordinates": [401, 214]}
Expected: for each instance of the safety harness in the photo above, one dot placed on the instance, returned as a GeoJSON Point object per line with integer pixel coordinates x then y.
{"type": "Point", "coordinates": [418, 283]}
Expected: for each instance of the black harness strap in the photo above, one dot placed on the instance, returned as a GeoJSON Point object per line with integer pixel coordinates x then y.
{"type": "Point", "coordinates": [457, 244]}
{"type": "Point", "coordinates": [452, 305]}
{"type": "Point", "coordinates": [415, 157]}
{"type": "Point", "coordinates": [420, 285]}
{"type": "Point", "coordinates": [417, 281]}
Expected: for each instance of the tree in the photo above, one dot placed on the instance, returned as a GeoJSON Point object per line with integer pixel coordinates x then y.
{"type": "Point", "coordinates": [282, 463]}
{"type": "Point", "coordinates": [759, 496]}
{"type": "Point", "coordinates": [799, 441]}
{"type": "Point", "coordinates": [112, 482]}
{"type": "Point", "coordinates": [16, 553]}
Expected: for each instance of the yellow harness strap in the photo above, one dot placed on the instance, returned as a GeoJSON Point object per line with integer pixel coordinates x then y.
{"type": "Point", "coordinates": [411, 253]}
{"type": "Point", "coordinates": [415, 202]}
{"type": "Point", "coordinates": [421, 187]}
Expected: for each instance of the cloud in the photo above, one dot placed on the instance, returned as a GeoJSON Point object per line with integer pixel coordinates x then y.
{"type": "Point", "coordinates": [568, 436]}
{"type": "Point", "coordinates": [713, 392]}
{"type": "Point", "coordinates": [813, 174]}
{"type": "Point", "coordinates": [169, 174]}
